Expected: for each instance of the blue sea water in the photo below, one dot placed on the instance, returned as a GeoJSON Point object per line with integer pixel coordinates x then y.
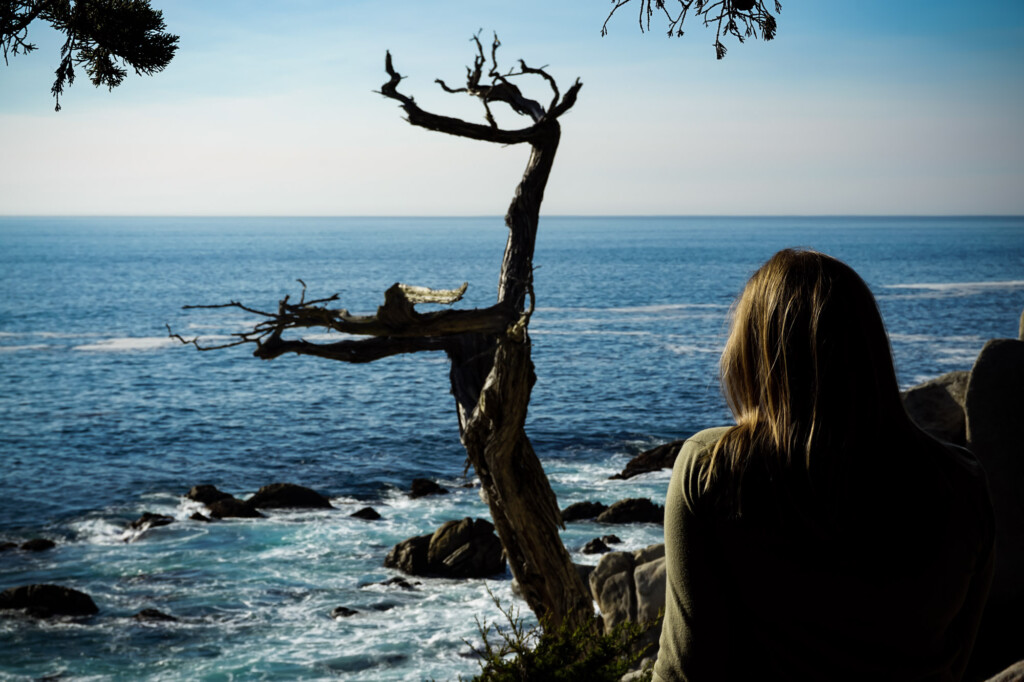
{"type": "Point", "coordinates": [103, 417]}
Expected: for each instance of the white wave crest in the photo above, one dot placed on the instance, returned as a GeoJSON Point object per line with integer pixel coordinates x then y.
{"type": "Point", "coordinates": [129, 344]}
{"type": "Point", "coordinates": [943, 289]}
{"type": "Point", "coordinates": [15, 349]}
{"type": "Point", "coordinates": [654, 308]}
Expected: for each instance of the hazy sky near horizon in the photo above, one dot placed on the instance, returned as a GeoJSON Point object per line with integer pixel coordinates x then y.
{"type": "Point", "coordinates": [866, 107]}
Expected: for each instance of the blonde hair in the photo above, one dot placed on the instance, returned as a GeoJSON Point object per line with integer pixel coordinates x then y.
{"type": "Point", "coordinates": [807, 371]}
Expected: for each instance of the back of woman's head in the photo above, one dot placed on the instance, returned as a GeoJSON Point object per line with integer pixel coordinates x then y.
{"type": "Point", "coordinates": [807, 369]}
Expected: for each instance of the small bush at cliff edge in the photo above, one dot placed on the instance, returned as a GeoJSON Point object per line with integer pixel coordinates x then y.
{"type": "Point", "coordinates": [518, 653]}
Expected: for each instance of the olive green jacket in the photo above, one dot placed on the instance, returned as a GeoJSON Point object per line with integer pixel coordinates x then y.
{"type": "Point", "coordinates": [888, 585]}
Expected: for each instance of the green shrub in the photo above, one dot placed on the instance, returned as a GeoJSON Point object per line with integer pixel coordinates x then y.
{"type": "Point", "coordinates": [516, 653]}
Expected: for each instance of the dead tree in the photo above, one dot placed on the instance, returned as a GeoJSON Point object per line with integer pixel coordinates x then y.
{"type": "Point", "coordinates": [489, 349]}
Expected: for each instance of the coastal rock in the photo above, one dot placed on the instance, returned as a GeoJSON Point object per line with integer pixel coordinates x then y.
{"type": "Point", "coordinates": [649, 578]}
{"type": "Point", "coordinates": [937, 406]}
{"type": "Point", "coordinates": [1015, 673]}
{"type": "Point", "coordinates": [231, 507]}
{"type": "Point", "coordinates": [465, 549]}
{"type": "Point", "coordinates": [633, 510]}
{"type": "Point", "coordinates": [343, 612]}
{"type": "Point", "coordinates": [288, 496]}
{"type": "Point", "coordinates": [421, 487]}
{"type": "Point", "coordinates": [203, 518]}
{"type": "Point", "coordinates": [410, 555]}
{"type": "Point", "coordinates": [150, 520]}
{"type": "Point", "coordinates": [612, 586]}
{"type": "Point", "coordinates": [44, 601]}
{"type": "Point", "coordinates": [595, 546]}
{"type": "Point", "coordinates": [398, 581]}
{"type": "Point", "coordinates": [38, 545]}
{"type": "Point", "coordinates": [4, 546]}
{"type": "Point", "coordinates": [368, 513]}
{"type": "Point", "coordinates": [458, 549]}
{"type": "Point", "coordinates": [995, 434]}
{"type": "Point", "coordinates": [661, 457]}
{"type": "Point", "coordinates": [206, 494]}
{"type": "Point", "coordinates": [611, 539]}
{"type": "Point", "coordinates": [582, 510]}
{"type": "Point", "coordinates": [631, 586]}
{"type": "Point", "coordinates": [154, 615]}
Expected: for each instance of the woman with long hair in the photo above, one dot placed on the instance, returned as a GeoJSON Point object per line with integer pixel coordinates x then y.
{"type": "Point", "coordinates": [824, 536]}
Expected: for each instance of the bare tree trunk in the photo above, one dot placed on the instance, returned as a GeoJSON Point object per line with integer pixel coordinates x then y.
{"type": "Point", "coordinates": [491, 370]}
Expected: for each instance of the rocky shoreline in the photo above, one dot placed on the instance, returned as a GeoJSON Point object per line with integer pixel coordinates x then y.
{"type": "Point", "coordinates": [980, 409]}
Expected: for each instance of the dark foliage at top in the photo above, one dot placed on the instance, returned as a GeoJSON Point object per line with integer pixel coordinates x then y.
{"type": "Point", "coordinates": [101, 36]}
{"type": "Point", "coordinates": [741, 19]}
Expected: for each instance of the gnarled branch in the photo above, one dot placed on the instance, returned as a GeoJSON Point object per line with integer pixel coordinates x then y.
{"type": "Point", "coordinates": [398, 326]}
{"type": "Point", "coordinates": [500, 89]}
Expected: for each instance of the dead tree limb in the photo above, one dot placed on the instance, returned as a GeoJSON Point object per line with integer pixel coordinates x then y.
{"type": "Point", "coordinates": [492, 372]}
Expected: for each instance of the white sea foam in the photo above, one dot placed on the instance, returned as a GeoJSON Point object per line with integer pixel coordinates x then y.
{"type": "Point", "coordinates": [653, 308]}
{"type": "Point", "coordinates": [129, 344]}
{"type": "Point", "coordinates": [15, 349]}
{"type": "Point", "coordinates": [687, 349]}
{"type": "Point", "coordinates": [950, 289]}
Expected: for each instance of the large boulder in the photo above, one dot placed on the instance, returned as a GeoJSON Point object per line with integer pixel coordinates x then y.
{"type": "Point", "coordinates": [633, 510]}
{"type": "Point", "coordinates": [410, 555]}
{"type": "Point", "coordinates": [611, 584]}
{"type": "Point", "coordinates": [937, 406]}
{"type": "Point", "coordinates": [582, 510]}
{"type": "Point", "coordinates": [38, 545]}
{"type": "Point", "coordinates": [661, 457]}
{"type": "Point", "coordinates": [631, 587]}
{"type": "Point", "coordinates": [995, 434]}
{"type": "Point", "coordinates": [288, 496]}
{"type": "Point", "coordinates": [1015, 673]}
{"type": "Point", "coordinates": [44, 601]}
{"type": "Point", "coordinates": [458, 549]}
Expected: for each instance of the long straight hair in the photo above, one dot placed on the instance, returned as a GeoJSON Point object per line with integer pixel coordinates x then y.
{"type": "Point", "coordinates": [807, 372]}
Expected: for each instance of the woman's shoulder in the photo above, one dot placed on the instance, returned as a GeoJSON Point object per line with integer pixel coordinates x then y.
{"type": "Point", "coordinates": [690, 472]}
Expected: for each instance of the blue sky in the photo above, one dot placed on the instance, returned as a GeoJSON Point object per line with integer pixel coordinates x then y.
{"type": "Point", "coordinates": [858, 107]}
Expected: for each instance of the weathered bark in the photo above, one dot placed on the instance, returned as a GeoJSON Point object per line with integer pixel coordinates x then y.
{"type": "Point", "coordinates": [492, 373]}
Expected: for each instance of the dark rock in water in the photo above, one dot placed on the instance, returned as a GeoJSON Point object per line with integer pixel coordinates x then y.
{"type": "Point", "coordinates": [4, 546]}
{"type": "Point", "coordinates": [595, 546]}
{"type": "Point", "coordinates": [154, 615]}
{"type": "Point", "coordinates": [383, 606]}
{"type": "Point", "coordinates": [458, 549]}
{"type": "Point", "coordinates": [44, 601]}
{"type": "Point", "coordinates": [150, 520]}
{"type": "Point", "coordinates": [611, 539]}
{"type": "Point", "coordinates": [196, 516]}
{"type": "Point", "coordinates": [937, 406]}
{"type": "Point", "coordinates": [233, 508]}
{"type": "Point", "coordinates": [38, 545]}
{"type": "Point", "coordinates": [343, 612]}
{"type": "Point", "coordinates": [410, 555]}
{"type": "Point", "coordinates": [466, 549]}
{"type": "Point", "coordinates": [633, 510]}
{"type": "Point", "coordinates": [398, 581]}
{"type": "Point", "coordinates": [421, 487]}
{"type": "Point", "coordinates": [368, 513]}
{"type": "Point", "coordinates": [288, 496]}
{"type": "Point", "coordinates": [207, 494]}
{"type": "Point", "coordinates": [582, 510]}
{"type": "Point", "coordinates": [661, 457]}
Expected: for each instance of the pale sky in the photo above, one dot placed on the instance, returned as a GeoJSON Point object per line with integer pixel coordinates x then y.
{"type": "Point", "coordinates": [857, 107]}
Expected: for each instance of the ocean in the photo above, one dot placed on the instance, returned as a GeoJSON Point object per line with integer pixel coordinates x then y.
{"type": "Point", "coordinates": [103, 417]}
